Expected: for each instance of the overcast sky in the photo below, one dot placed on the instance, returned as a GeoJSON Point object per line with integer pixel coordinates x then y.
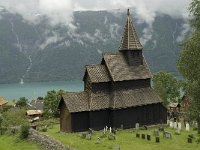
{"type": "Point", "coordinates": [61, 11]}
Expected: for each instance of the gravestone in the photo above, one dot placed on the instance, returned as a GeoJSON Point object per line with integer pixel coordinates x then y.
{"type": "Point", "coordinates": [83, 135]}
{"type": "Point", "coordinates": [116, 147]}
{"type": "Point", "coordinates": [167, 134]}
{"type": "Point", "coordinates": [179, 125]}
{"type": "Point", "coordinates": [189, 140]}
{"type": "Point", "coordinates": [145, 127]}
{"type": "Point", "coordinates": [91, 131]}
{"type": "Point", "coordinates": [114, 131]}
{"type": "Point", "coordinates": [168, 121]}
{"type": "Point", "coordinates": [191, 136]}
{"type": "Point", "coordinates": [175, 125]}
{"type": "Point", "coordinates": [88, 137]}
{"type": "Point", "coordinates": [177, 132]}
{"type": "Point", "coordinates": [148, 137]}
{"type": "Point", "coordinates": [104, 130]}
{"type": "Point", "coordinates": [143, 136]}
{"type": "Point", "coordinates": [122, 126]}
{"type": "Point", "coordinates": [110, 130]}
{"type": "Point", "coordinates": [155, 133]}
{"type": "Point", "coordinates": [137, 135]}
{"type": "Point", "coordinates": [171, 124]}
{"type": "Point", "coordinates": [137, 126]}
{"type": "Point", "coordinates": [161, 129]}
{"type": "Point", "coordinates": [98, 140]}
{"type": "Point", "coordinates": [157, 139]}
{"type": "Point", "coordinates": [111, 137]}
{"type": "Point", "coordinates": [187, 127]}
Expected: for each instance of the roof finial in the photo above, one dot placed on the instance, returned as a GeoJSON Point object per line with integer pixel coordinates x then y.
{"type": "Point", "coordinates": [128, 13]}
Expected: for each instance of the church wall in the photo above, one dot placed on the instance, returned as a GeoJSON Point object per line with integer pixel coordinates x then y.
{"type": "Point", "coordinates": [87, 83]}
{"type": "Point", "coordinates": [144, 115]}
{"type": "Point", "coordinates": [65, 118]}
{"type": "Point", "coordinates": [101, 87]}
{"type": "Point", "coordinates": [133, 58]}
{"type": "Point", "coordinates": [80, 121]}
{"type": "Point", "coordinates": [133, 84]}
{"type": "Point", "coordinates": [99, 119]}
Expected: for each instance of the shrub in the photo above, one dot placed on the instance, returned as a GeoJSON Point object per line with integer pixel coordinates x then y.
{"type": "Point", "coordinates": [44, 129]}
{"type": "Point", "coordinates": [24, 132]}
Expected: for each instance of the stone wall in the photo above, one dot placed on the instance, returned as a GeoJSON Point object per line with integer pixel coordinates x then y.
{"type": "Point", "coordinates": [45, 141]}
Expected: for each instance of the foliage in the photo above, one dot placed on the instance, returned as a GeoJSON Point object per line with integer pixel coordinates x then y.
{"type": "Point", "coordinates": [1, 120]}
{"type": "Point", "coordinates": [24, 131]}
{"type": "Point", "coordinates": [22, 102]}
{"type": "Point", "coordinates": [40, 98]}
{"type": "Point", "coordinates": [14, 118]}
{"type": "Point", "coordinates": [51, 101]}
{"type": "Point", "coordinates": [167, 86]}
{"type": "Point", "coordinates": [189, 61]}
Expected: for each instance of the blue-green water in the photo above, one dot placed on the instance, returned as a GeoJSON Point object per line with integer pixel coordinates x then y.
{"type": "Point", "coordinates": [36, 89]}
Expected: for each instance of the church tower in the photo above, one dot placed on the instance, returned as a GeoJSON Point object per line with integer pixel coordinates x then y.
{"type": "Point", "coordinates": [130, 45]}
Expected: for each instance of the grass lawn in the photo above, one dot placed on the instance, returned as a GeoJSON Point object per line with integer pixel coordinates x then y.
{"type": "Point", "coordinates": [126, 139]}
{"type": "Point", "coordinates": [13, 143]}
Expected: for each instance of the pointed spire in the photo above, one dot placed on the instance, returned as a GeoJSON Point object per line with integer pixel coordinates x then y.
{"type": "Point", "coordinates": [130, 39]}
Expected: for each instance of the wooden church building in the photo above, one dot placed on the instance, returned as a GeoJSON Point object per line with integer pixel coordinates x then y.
{"type": "Point", "coordinates": [116, 93]}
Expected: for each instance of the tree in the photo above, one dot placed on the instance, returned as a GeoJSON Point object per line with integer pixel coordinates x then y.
{"type": "Point", "coordinates": [22, 102]}
{"type": "Point", "coordinates": [14, 118]}
{"type": "Point", "coordinates": [167, 86]}
{"type": "Point", "coordinates": [51, 101]}
{"type": "Point", "coordinates": [189, 61]}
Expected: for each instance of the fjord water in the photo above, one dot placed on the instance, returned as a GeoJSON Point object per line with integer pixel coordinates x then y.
{"type": "Point", "coordinates": [36, 89]}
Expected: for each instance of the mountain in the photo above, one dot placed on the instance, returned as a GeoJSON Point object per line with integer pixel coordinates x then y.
{"type": "Point", "coordinates": [41, 52]}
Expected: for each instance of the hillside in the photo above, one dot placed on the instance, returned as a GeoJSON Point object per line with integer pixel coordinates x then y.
{"type": "Point", "coordinates": [40, 52]}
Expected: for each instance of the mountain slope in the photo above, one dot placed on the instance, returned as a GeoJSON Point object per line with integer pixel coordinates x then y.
{"type": "Point", "coordinates": [41, 52]}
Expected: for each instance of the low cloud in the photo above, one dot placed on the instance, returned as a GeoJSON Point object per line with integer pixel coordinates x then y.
{"type": "Point", "coordinates": [114, 30]}
{"type": "Point", "coordinates": [54, 38]}
{"type": "Point", "coordinates": [185, 30]}
{"type": "Point", "coordinates": [62, 12]}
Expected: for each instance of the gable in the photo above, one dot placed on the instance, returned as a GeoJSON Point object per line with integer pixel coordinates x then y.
{"type": "Point", "coordinates": [76, 101]}
{"type": "Point", "coordinates": [97, 73]}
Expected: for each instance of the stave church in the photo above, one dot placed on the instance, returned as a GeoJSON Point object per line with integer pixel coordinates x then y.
{"type": "Point", "coordinates": [117, 92]}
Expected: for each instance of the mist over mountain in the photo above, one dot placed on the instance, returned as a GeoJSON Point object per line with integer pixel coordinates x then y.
{"type": "Point", "coordinates": [42, 52]}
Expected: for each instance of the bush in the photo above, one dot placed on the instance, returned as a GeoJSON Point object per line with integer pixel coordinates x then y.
{"type": "Point", "coordinates": [24, 132]}
{"type": "Point", "coordinates": [44, 129]}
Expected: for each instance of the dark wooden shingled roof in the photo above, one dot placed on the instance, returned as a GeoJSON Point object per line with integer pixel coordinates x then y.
{"type": "Point", "coordinates": [100, 100]}
{"type": "Point", "coordinates": [98, 73]}
{"type": "Point", "coordinates": [78, 102]}
{"type": "Point", "coordinates": [136, 97]}
{"type": "Point", "coordinates": [130, 39]}
{"type": "Point", "coordinates": [120, 71]}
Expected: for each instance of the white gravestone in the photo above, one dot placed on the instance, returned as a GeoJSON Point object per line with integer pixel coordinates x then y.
{"type": "Point", "coordinates": [137, 126]}
{"type": "Point", "coordinates": [179, 125]}
{"type": "Point", "coordinates": [104, 130]}
{"type": "Point", "coordinates": [187, 127]}
{"type": "Point", "coordinates": [171, 124]}
{"type": "Point", "coordinates": [110, 130]}
{"type": "Point", "coordinates": [168, 121]}
{"type": "Point", "coordinates": [175, 125]}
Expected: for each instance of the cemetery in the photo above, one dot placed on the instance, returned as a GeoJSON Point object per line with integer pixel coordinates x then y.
{"type": "Point", "coordinates": [153, 137]}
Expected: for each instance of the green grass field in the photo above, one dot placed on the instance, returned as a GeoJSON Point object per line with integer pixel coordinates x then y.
{"type": "Point", "coordinates": [126, 139]}
{"type": "Point", "coordinates": [13, 143]}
